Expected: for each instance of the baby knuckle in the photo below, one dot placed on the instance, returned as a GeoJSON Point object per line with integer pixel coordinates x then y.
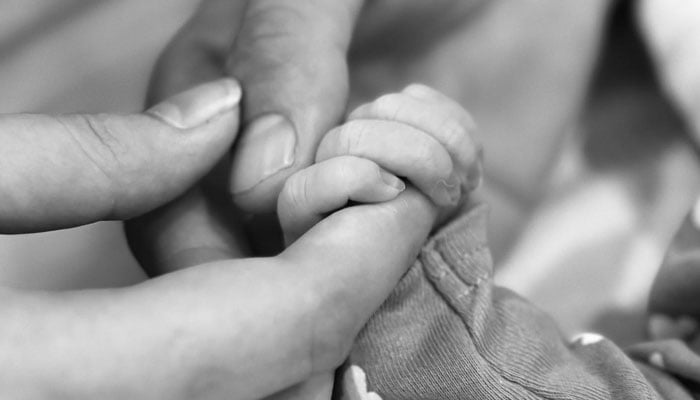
{"type": "Point", "coordinates": [432, 155]}
{"type": "Point", "coordinates": [388, 106]}
{"type": "Point", "coordinates": [269, 37]}
{"type": "Point", "coordinates": [294, 193]}
{"type": "Point", "coordinates": [453, 133]}
{"type": "Point", "coordinates": [349, 137]}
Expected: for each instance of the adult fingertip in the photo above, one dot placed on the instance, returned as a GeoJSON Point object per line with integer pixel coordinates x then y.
{"type": "Point", "coordinates": [266, 147]}
{"type": "Point", "coordinates": [197, 106]}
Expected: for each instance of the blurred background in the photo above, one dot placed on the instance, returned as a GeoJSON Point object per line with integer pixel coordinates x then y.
{"type": "Point", "coordinates": [586, 251]}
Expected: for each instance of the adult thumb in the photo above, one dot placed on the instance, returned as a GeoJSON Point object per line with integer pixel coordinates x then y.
{"type": "Point", "coordinates": [68, 170]}
{"type": "Point", "coordinates": [291, 60]}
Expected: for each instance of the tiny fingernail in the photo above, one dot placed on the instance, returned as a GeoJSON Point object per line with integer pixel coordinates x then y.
{"type": "Point", "coordinates": [266, 147]}
{"type": "Point", "coordinates": [392, 181]}
{"type": "Point", "coordinates": [446, 192]}
{"type": "Point", "coordinates": [475, 175]}
{"type": "Point", "coordinates": [198, 105]}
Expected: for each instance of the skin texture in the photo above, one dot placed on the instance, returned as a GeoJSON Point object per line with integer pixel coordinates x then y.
{"type": "Point", "coordinates": [243, 328]}
{"type": "Point", "coordinates": [468, 49]}
{"type": "Point", "coordinates": [404, 122]}
{"type": "Point", "coordinates": [271, 56]}
{"type": "Point", "coordinates": [185, 335]}
{"type": "Point", "coordinates": [143, 366]}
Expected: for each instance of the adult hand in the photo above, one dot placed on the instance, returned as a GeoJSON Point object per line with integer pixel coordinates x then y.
{"type": "Point", "coordinates": [291, 59]}
{"type": "Point", "coordinates": [240, 328]}
{"type": "Point", "coordinates": [505, 61]}
{"type": "Point", "coordinates": [244, 328]}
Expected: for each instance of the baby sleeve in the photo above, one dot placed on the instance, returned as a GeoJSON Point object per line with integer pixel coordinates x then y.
{"type": "Point", "coordinates": [447, 332]}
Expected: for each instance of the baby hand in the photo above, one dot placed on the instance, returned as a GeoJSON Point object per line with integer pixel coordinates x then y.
{"type": "Point", "coordinates": [418, 134]}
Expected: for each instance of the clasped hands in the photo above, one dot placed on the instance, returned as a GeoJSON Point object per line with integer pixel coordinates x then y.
{"type": "Point", "coordinates": [229, 326]}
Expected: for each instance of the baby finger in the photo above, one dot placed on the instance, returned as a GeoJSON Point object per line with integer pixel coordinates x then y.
{"type": "Point", "coordinates": [319, 189]}
{"type": "Point", "coordinates": [401, 149]}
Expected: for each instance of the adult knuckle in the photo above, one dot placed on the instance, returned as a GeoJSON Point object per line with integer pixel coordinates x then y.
{"type": "Point", "coordinates": [294, 192]}
{"type": "Point", "coordinates": [270, 33]}
{"type": "Point", "coordinates": [100, 142]}
{"type": "Point", "coordinates": [358, 172]}
{"type": "Point", "coordinates": [428, 153]}
{"type": "Point", "coordinates": [437, 159]}
{"type": "Point", "coordinates": [272, 20]}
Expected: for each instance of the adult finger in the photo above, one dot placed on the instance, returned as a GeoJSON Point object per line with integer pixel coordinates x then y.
{"type": "Point", "coordinates": [327, 186]}
{"type": "Point", "coordinates": [196, 54]}
{"type": "Point", "coordinates": [291, 59]}
{"type": "Point", "coordinates": [402, 150]}
{"type": "Point", "coordinates": [67, 170]}
{"type": "Point", "coordinates": [198, 51]}
{"type": "Point", "coordinates": [265, 324]}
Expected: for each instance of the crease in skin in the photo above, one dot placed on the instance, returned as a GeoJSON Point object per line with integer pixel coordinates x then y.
{"type": "Point", "coordinates": [447, 192]}
{"type": "Point", "coordinates": [281, 27]}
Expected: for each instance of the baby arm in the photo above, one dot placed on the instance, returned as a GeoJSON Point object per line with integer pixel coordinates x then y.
{"type": "Point", "coordinates": [419, 135]}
